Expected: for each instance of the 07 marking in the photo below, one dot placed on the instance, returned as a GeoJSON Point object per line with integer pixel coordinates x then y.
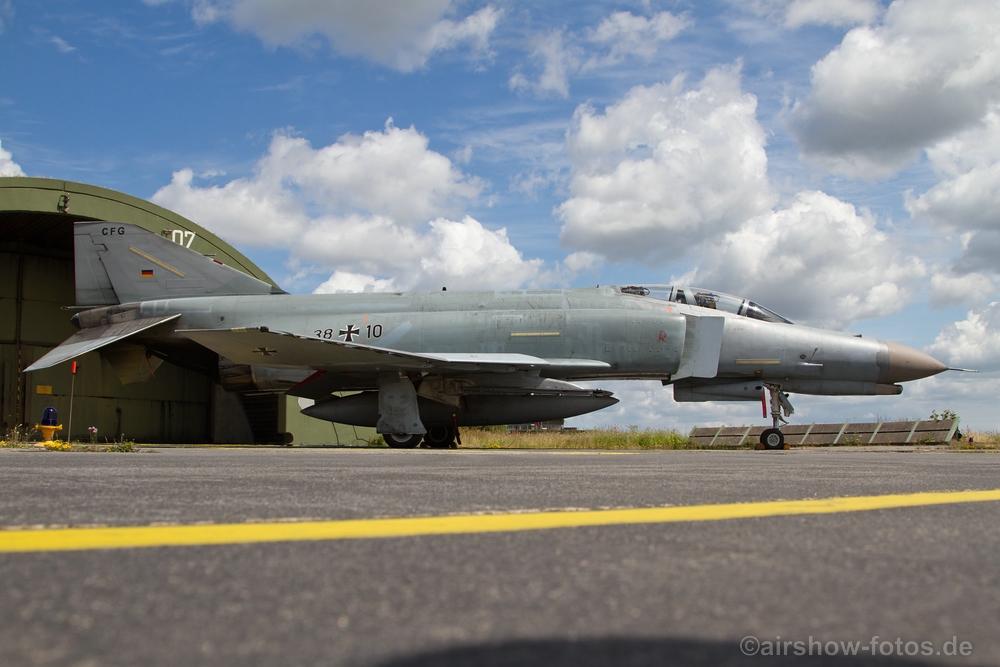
{"type": "Point", "coordinates": [182, 237]}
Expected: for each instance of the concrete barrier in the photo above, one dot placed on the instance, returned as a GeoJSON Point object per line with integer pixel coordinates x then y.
{"type": "Point", "coordinates": [922, 431]}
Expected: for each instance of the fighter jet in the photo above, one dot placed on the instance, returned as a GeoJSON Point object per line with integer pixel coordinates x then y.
{"type": "Point", "coordinates": [417, 366]}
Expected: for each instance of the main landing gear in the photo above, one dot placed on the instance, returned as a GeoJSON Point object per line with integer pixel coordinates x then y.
{"type": "Point", "coordinates": [437, 437]}
{"type": "Point", "coordinates": [399, 417]}
{"type": "Point", "coordinates": [773, 438]}
{"type": "Point", "coordinates": [440, 437]}
{"type": "Point", "coordinates": [402, 440]}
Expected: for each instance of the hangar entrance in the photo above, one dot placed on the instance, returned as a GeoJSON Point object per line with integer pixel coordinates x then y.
{"type": "Point", "coordinates": [37, 294]}
{"type": "Point", "coordinates": [36, 280]}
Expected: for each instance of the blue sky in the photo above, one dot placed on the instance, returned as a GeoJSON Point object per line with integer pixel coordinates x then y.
{"type": "Point", "coordinates": [836, 160]}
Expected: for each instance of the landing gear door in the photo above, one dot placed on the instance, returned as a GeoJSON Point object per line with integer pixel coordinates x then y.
{"type": "Point", "coordinates": [702, 345]}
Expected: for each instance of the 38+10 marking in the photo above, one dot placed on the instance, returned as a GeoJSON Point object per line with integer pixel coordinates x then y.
{"type": "Point", "coordinates": [373, 331]}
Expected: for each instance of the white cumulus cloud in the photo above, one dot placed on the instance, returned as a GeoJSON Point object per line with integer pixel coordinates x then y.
{"type": "Point", "coordinates": [819, 262]}
{"type": "Point", "coordinates": [456, 254]}
{"type": "Point", "coordinates": [471, 256]}
{"type": "Point", "coordinates": [973, 342]}
{"type": "Point", "coordinates": [345, 281]}
{"type": "Point", "coordinates": [669, 170]}
{"type": "Point", "coordinates": [950, 288]}
{"type": "Point", "coordinates": [252, 211]}
{"type": "Point", "coordinates": [372, 209]}
{"type": "Point", "coordinates": [968, 196]}
{"type": "Point", "coordinates": [7, 165]}
{"type": "Point", "coordinates": [665, 168]}
{"type": "Point", "coordinates": [391, 174]}
{"type": "Point", "coordinates": [970, 200]}
{"type": "Point", "coordinates": [395, 33]}
{"type": "Point", "coordinates": [967, 199]}
{"type": "Point", "coordinates": [929, 69]}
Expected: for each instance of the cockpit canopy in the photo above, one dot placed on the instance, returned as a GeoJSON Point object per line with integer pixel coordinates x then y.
{"type": "Point", "coordinates": [696, 296]}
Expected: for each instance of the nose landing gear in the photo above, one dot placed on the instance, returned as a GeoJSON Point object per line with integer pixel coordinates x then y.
{"type": "Point", "coordinates": [773, 438]}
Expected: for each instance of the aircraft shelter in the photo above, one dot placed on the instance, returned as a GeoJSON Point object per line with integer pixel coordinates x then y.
{"type": "Point", "coordinates": [36, 294]}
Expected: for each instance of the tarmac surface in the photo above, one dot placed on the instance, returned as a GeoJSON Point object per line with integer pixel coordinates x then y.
{"type": "Point", "coordinates": [683, 593]}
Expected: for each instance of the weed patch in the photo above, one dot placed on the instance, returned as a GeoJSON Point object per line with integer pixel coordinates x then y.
{"type": "Point", "coordinates": [602, 438]}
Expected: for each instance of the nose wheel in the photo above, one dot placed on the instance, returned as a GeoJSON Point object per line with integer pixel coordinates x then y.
{"type": "Point", "coordinates": [773, 438]}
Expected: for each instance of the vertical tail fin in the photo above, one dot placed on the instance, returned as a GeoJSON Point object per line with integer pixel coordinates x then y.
{"type": "Point", "coordinates": [123, 263]}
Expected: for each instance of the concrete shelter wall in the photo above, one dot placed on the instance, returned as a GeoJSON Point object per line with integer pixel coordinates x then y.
{"type": "Point", "coordinates": [18, 193]}
{"type": "Point", "coordinates": [308, 431]}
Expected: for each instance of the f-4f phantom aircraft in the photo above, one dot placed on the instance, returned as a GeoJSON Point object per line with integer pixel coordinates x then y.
{"type": "Point", "coordinates": [417, 366]}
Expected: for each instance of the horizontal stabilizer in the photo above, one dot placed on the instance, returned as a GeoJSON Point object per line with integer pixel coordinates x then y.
{"type": "Point", "coordinates": [93, 338]}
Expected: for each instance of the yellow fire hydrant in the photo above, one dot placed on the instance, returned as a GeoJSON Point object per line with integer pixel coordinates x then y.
{"type": "Point", "coordinates": [49, 423]}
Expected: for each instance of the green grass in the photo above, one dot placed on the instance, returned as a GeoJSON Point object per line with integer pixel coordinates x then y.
{"type": "Point", "coordinates": [124, 446]}
{"type": "Point", "coordinates": [981, 440]}
{"type": "Point", "coordinates": [60, 446]}
{"type": "Point", "coordinates": [613, 438]}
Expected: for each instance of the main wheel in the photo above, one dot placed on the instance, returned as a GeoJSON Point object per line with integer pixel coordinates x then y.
{"type": "Point", "coordinates": [402, 440]}
{"type": "Point", "coordinates": [440, 437]}
{"type": "Point", "coordinates": [772, 438]}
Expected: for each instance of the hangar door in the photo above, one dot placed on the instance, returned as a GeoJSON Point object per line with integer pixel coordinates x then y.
{"type": "Point", "coordinates": [36, 283]}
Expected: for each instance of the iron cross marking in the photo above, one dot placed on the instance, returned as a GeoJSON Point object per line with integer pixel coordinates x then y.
{"type": "Point", "coordinates": [265, 352]}
{"type": "Point", "coordinates": [351, 331]}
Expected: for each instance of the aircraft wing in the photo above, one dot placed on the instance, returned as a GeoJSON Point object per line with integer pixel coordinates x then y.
{"type": "Point", "coordinates": [93, 338]}
{"type": "Point", "coordinates": [278, 348]}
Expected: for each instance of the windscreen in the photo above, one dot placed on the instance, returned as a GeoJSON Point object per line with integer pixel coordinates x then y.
{"type": "Point", "coordinates": [761, 313]}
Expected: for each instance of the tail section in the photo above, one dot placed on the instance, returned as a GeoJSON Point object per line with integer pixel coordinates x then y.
{"type": "Point", "coordinates": [122, 263]}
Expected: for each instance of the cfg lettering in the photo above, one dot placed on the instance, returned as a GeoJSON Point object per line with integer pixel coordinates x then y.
{"type": "Point", "coordinates": [112, 231]}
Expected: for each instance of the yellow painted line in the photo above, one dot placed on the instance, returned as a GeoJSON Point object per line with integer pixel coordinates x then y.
{"type": "Point", "coordinates": [532, 334]}
{"type": "Point", "coordinates": [76, 539]}
{"type": "Point", "coordinates": [575, 452]}
{"type": "Point", "coordinates": [757, 362]}
{"type": "Point", "coordinates": [162, 265]}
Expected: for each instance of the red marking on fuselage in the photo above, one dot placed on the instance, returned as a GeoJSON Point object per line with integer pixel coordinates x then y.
{"type": "Point", "coordinates": [312, 377]}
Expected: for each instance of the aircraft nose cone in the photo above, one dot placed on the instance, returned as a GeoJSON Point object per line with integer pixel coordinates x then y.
{"type": "Point", "coordinates": [907, 364]}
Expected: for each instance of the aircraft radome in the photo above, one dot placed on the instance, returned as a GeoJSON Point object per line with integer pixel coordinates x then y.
{"type": "Point", "coordinates": [416, 366]}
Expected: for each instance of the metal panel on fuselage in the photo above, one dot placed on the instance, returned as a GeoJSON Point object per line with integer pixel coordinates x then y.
{"type": "Point", "coordinates": [777, 351]}
{"type": "Point", "coordinates": [634, 337]}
